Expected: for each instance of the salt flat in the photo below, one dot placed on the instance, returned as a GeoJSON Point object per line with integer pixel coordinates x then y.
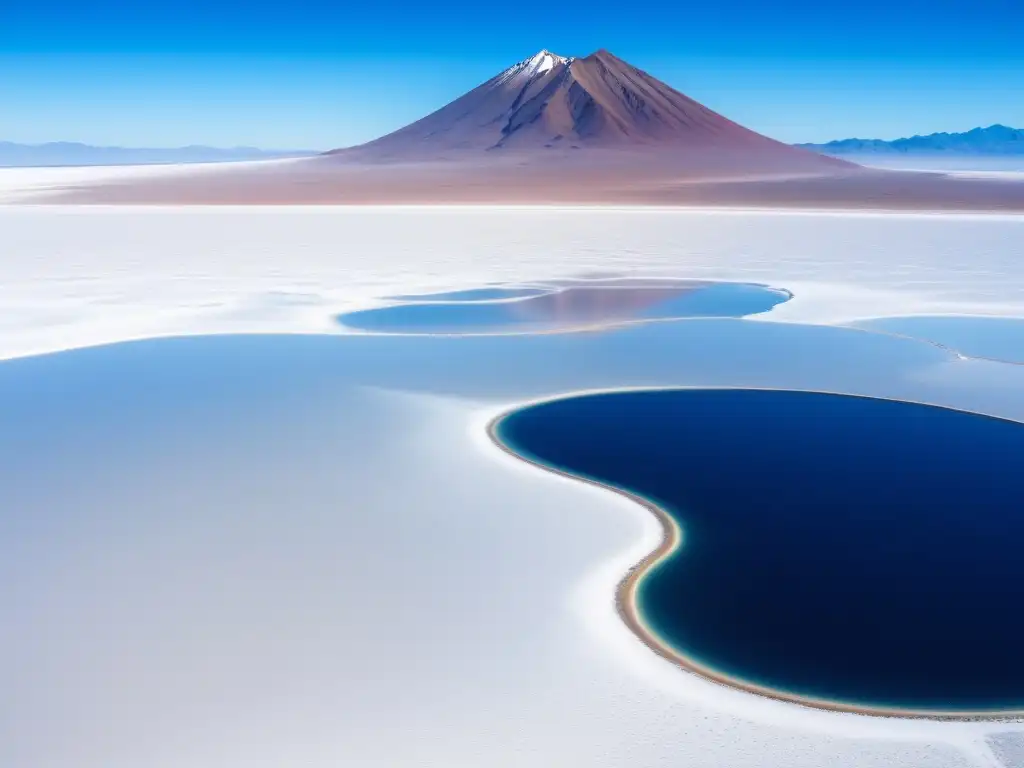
{"type": "Point", "coordinates": [290, 602]}
{"type": "Point", "coordinates": [74, 276]}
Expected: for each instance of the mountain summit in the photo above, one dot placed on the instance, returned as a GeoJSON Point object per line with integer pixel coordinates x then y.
{"type": "Point", "coordinates": [550, 130]}
{"type": "Point", "coordinates": [552, 102]}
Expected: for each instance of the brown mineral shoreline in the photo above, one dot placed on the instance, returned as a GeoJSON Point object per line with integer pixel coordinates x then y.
{"type": "Point", "coordinates": [591, 180]}
{"type": "Point", "coordinates": [671, 540]}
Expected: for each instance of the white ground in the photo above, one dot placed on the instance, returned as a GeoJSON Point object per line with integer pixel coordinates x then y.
{"type": "Point", "coordinates": [76, 276]}
{"type": "Point", "coordinates": [536, 670]}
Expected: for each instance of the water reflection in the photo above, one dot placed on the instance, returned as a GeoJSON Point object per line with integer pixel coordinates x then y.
{"type": "Point", "coordinates": [572, 305]}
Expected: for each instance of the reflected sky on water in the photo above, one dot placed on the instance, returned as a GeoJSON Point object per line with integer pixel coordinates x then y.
{"type": "Point", "coordinates": [569, 306]}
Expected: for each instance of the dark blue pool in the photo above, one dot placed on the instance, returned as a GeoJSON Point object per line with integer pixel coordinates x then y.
{"type": "Point", "coordinates": [862, 551]}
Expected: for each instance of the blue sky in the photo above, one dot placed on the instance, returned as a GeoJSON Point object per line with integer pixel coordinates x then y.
{"type": "Point", "coordinates": [306, 74]}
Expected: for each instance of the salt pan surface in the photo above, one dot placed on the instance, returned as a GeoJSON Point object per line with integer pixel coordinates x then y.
{"type": "Point", "coordinates": [529, 666]}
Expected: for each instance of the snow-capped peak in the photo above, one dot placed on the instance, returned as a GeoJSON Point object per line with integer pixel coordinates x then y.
{"type": "Point", "coordinates": [545, 61]}
{"type": "Point", "coordinates": [534, 66]}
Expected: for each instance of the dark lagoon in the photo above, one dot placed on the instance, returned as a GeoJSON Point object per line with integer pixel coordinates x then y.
{"type": "Point", "coordinates": [562, 308]}
{"type": "Point", "coordinates": [842, 550]}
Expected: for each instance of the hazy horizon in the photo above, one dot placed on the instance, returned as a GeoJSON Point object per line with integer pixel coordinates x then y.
{"type": "Point", "coordinates": [72, 142]}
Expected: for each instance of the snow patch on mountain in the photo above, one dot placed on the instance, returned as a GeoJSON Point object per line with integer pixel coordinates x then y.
{"type": "Point", "coordinates": [538, 64]}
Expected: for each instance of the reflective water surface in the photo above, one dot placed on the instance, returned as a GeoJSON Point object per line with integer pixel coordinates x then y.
{"type": "Point", "coordinates": [575, 305]}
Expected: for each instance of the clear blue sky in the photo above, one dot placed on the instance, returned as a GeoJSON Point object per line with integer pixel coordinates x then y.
{"type": "Point", "coordinates": [307, 74]}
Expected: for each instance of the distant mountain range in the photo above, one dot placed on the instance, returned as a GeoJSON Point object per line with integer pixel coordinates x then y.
{"type": "Point", "coordinates": [64, 153]}
{"type": "Point", "coordinates": [994, 140]}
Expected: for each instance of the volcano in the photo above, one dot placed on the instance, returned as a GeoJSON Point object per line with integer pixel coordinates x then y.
{"type": "Point", "coordinates": [553, 130]}
{"type": "Point", "coordinates": [550, 103]}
